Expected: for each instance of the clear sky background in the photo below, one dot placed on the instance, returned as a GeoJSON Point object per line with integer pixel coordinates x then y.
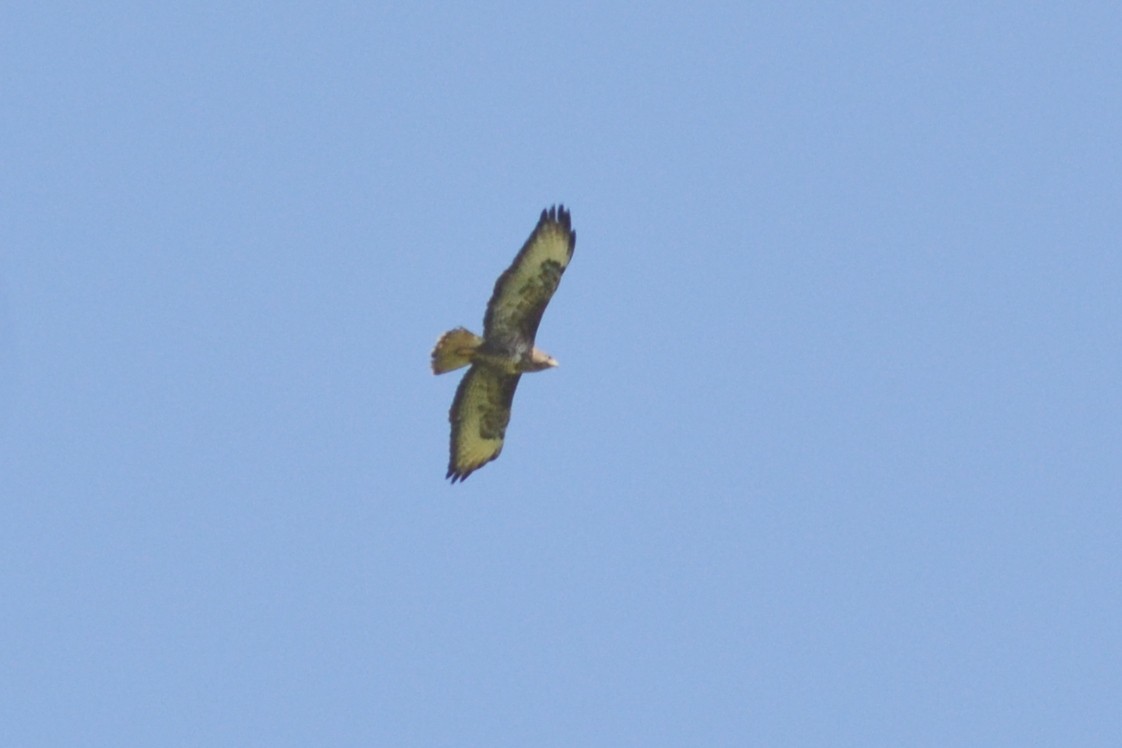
{"type": "Point", "coordinates": [833, 456]}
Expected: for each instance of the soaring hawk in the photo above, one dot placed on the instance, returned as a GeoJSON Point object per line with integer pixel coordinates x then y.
{"type": "Point", "coordinates": [481, 409]}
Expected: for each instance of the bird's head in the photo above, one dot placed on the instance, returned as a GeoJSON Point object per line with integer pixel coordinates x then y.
{"type": "Point", "coordinates": [540, 360]}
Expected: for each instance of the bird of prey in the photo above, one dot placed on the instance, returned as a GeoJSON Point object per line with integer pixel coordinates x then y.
{"type": "Point", "coordinates": [481, 409]}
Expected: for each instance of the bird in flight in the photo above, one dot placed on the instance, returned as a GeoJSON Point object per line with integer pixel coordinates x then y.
{"type": "Point", "coordinates": [481, 409]}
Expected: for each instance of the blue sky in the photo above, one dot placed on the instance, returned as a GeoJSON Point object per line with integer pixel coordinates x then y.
{"type": "Point", "coordinates": [832, 456]}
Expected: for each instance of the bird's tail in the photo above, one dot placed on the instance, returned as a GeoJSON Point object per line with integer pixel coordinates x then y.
{"type": "Point", "coordinates": [454, 349]}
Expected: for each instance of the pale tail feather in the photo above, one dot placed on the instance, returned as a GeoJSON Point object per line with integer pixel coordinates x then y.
{"type": "Point", "coordinates": [454, 350]}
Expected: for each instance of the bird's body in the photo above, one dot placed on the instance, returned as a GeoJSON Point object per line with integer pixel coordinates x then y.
{"type": "Point", "coordinates": [481, 409]}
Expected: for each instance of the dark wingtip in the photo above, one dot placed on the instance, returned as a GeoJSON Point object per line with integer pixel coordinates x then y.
{"type": "Point", "coordinates": [458, 475]}
{"type": "Point", "coordinates": [558, 214]}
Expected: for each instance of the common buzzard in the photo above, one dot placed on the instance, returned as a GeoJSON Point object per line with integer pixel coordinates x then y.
{"type": "Point", "coordinates": [481, 408]}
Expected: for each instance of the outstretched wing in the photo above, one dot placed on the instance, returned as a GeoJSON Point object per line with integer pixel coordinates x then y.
{"type": "Point", "coordinates": [479, 415]}
{"type": "Point", "coordinates": [522, 292]}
